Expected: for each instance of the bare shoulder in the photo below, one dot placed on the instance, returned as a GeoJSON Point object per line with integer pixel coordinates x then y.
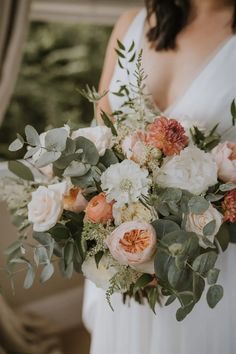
{"type": "Point", "coordinates": [124, 22]}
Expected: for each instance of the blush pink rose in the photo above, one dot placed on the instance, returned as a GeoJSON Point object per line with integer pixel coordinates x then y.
{"type": "Point", "coordinates": [134, 147]}
{"type": "Point", "coordinates": [75, 201]}
{"type": "Point", "coordinates": [99, 210]}
{"type": "Point", "coordinates": [133, 243]}
{"type": "Point", "coordinates": [225, 157]}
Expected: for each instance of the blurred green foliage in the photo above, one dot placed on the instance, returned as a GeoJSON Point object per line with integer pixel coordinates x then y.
{"type": "Point", "coordinates": [58, 59]}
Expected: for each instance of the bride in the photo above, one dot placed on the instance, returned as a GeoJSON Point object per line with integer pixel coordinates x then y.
{"type": "Point", "coordinates": [189, 55]}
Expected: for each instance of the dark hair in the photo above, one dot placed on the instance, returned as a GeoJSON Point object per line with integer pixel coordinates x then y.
{"type": "Point", "coordinates": [171, 18]}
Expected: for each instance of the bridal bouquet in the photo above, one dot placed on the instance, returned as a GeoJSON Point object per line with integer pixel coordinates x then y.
{"type": "Point", "coordinates": [143, 205]}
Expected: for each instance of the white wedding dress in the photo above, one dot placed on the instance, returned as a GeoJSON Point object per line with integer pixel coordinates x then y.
{"type": "Point", "coordinates": [135, 329]}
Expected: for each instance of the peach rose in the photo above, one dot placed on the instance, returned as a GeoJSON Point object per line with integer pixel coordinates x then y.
{"type": "Point", "coordinates": [75, 201]}
{"type": "Point", "coordinates": [99, 210]}
{"type": "Point", "coordinates": [133, 243]}
{"type": "Point", "coordinates": [225, 157]}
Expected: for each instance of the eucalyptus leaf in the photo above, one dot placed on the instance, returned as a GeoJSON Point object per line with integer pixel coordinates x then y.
{"type": "Point", "coordinates": [163, 227]}
{"type": "Point", "coordinates": [31, 152]}
{"type": "Point", "coordinates": [212, 276]}
{"type": "Point", "coordinates": [47, 158]}
{"type": "Point", "coordinates": [90, 154]}
{"type": "Point", "coordinates": [214, 295]}
{"type": "Point", "coordinates": [16, 145]}
{"type": "Point", "coordinates": [29, 279]}
{"type": "Point", "coordinates": [68, 253]}
{"type": "Point", "coordinates": [203, 263]}
{"type": "Point", "coordinates": [198, 205]}
{"type": "Point", "coordinates": [227, 187]}
{"type": "Point", "coordinates": [47, 273]}
{"type": "Point", "coordinates": [182, 312]}
{"type": "Point", "coordinates": [209, 228]}
{"type": "Point", "coordinates": [32, 135]}
{"type": "Point", "coordinates": [109, 158]}
{"type": "Point", "coordinates": [20, 170]}
{"type": "Point", "coordinates": [56, 139]}
{"type": "Point", "coordinates": [76, 169]}
{"type": "Point", "coordinates": [223, 236]}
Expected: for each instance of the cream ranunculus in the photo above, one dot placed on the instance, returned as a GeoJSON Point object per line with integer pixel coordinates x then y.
{"type": "Point", "coordinates": [133, 243]}
{"type": "Point", "coordinates": [101, 136]}
{"type": "Point", "coordinates": [130, 212]}
{"type": "Point", "coordinates": [46, 206]}
{"type": "Point", "coordinates": [193, 170]}
{"type": "Point", "coordinates": [196, 223]}
{"type": "Point", "coordinates": [100, 275]}
{"type": "Point", "coordinates": [225, 157]}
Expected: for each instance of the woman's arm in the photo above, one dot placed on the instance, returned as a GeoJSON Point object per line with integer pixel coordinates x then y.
{"type": "Point", "coordinates": [119, 31]}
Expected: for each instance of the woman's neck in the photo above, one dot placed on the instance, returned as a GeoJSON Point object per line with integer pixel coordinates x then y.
{"type": "Point", "coordinates": [203, 6]}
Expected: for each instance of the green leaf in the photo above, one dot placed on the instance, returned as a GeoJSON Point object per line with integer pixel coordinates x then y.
{"type": "Point", "coordinates": [31, 152]}
{"type": "Point", "coordinates": [16, 145]}
{"type": "Point", "coordinates": [143, 281]}
{"type": "Point", "coordinates": [232, 232]}
{"type": "Point", "coordinates": [182, 312]}
{"type": "Point", "coordinates": [131, 47]}
{"type": "Point", "coordinates": [163, 227]}
{"type": "Point", "coordinates": [177, 277]}
{"type": "Point", "coordinates": [32, 135]}
{"type": "Point", "coordinates": [203, 263]}
{"type": "Point", "coordinates": [119, 53]}
{"type": "Point", "coordinates": [214, 197]}
{"type": "Point", "coordinates": [55, 139]}
{"type": "Point", "coordinates": [162, 263]}
{"type": "Point", "coordinates": [98, 257]}
{"type": "Point", "coordinates": [109, 158]}
{"type": "Point", "coordinates": [214, 295]}
{"type": "Point", "coordinates": [209, 228]}
{"type": "Point", "coordinates": [20, 170]}
{"type": "Point", "coordinates": [198, 205]}
{"type": "Point", "coordinates": [47, 273]}
{"type": "Point", "coordinates": [152, 296]}
{"type": "Point", "coordinates": [29, 279]}
{"type": "Point", "coordinates": [233, 112]}
{"type": "Point", "coordinates": [120, 45]}
{"type": "Point", "coordinates": [76, 169]}
{"type": "Point", "coordinates": [68, 253]}
{"type": "Point", "coordinates": [223, 236]}
{"type": "Point", "coordinates": [41, 256]}
{"type": "Point", "coordinates": [212, 276]}
{"type": "Point", "coordinates": [90, 154]}
{"type": "Point", "coordinates": [84, 181]}
{"type": "Point", "coordinates": [198, 287]}
{"type": "Point", "coordinates": [59, 232]}
{"type": "Point", "coordinates": [227, 187]}
{"type": "Point", "coordinates": [107, 121]}
{"type": "Point", "coordinates": [132, 58]}
{"type": "Point", "coordinates": [47, 158]}
{"type": "Point", "coordinates": [15, 246]}
{"type": "Point", "coordinates": [170, 300]}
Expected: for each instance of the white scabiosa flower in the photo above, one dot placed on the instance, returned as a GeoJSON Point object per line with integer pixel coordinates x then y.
{"type": "Point", "coordinates": [125, 182]}
{"type": "Point", "coordinates": [193, 170]}
{"type": "Point", "coordinates": [100, 275]}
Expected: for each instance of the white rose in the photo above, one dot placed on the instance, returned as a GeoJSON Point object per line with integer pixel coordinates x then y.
{"type": "Point", "coordinates": [196, 223]}
{"type": "Point", "coordinates": [46, 206]}
{"type": "Point", "coordinates": [101, 136]}
{"type": "Point", "coordinates": [100, 275]}
{"type": "Point", "coordinates": [193, 170]}
{"type": "Point", "coordinates": [130, 212]}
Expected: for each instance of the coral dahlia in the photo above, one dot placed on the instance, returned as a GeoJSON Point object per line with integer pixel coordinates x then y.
{"type": "Point", "coordinates": [229, 206]}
